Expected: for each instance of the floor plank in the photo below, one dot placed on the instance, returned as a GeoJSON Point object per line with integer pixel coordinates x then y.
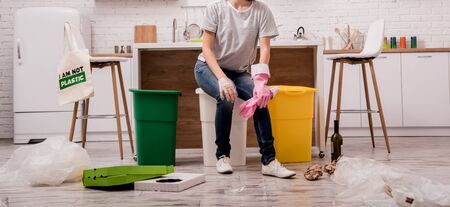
{"type": "Point", "coordinates": [426, 156]}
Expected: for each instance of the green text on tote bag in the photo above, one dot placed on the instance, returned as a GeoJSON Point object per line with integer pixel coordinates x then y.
{"type": "Point", "coordinates": [73, 77]}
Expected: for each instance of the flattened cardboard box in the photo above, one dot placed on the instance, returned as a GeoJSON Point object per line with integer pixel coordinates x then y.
{"type": "Point", "coordinates": [188, 180]}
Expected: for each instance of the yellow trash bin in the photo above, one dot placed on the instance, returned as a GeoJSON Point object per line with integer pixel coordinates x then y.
{"type": "Point", "coordinates": [292, 112]}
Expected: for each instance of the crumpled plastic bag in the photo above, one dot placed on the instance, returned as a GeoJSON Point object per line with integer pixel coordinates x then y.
{"type": "Point", "coordinates": [366, 181]}
{"type": "Point", "coordinates": [52, 162]}
{"type": "Point", "coordinates": [415, 191]}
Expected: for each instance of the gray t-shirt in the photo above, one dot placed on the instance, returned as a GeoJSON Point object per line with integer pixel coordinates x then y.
{"type": "Point", "coordinates": [238, 32]}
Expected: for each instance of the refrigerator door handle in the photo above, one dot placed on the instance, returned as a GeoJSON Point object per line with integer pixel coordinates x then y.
{"type": "Point", "coordinates": [19, 54]}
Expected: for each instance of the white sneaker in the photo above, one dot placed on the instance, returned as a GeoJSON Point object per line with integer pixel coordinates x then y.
{"type": "Point", "coordinates": [223, 165]}
{"type": "Point", "coordinates": [274, 168]}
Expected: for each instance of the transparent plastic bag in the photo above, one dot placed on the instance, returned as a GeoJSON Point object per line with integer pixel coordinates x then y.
{"type": "Point", "coordinates": [416, 191]}
{"type": "Point", "coordinates": [366, 181]}
{"type": "Point", "coordinates": [52, 162]}
{"type": "Point", "coordinates": [363, 178]}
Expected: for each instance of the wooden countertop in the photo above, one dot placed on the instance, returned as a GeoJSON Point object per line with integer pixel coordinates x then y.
{"type": "Point", "coordinates": [408, 50]}
{"type": "Point", "coordinates": [326, 52]}
{"type": "Point", "coordinates": [198, 45]}
{"type": "Point", "coordinates": [125, 55]}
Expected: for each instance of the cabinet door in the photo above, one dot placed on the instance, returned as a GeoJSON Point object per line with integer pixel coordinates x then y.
{"type": "Point", "coordinates": [426, 95]}
{"type": "Point", "coordinates": [103, 101]}
{"type": "Point", "coordinates": [389, 79]}
{"type": "Point", "coordinates": [351, 91]}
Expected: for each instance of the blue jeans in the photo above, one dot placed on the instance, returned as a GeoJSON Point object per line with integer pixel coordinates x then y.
{"type": "Point", "coordinates": [224, 112]}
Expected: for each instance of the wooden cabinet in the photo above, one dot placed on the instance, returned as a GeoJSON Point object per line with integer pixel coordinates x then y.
{"type": "Point", "coordinates": [351, 90]}
{"type": "Point", "coordinates": [289, 66]}
{"type": "Point", "coordinates": [425, 89]}
{"type": "Point", "coordinates": [388, 73]}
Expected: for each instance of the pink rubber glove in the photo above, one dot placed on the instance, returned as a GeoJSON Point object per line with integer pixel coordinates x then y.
{"type": "Point", "coordinates": [248, 108]}
{"type": "Point", "coordinates": [261, 91]}
{"type": "Point", "coordinates": [260, 76]}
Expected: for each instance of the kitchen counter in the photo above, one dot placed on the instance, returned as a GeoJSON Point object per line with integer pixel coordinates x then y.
{"type": "Point", "coordinates": [275, 44]}
{"type": "Point", "coordinates": [125, 55]}
{"type": "Point", "coordinates": [198, 45]}
{"type": "Point", "coordinates": [397, 50]}
{"type": "Point", "coordinates": [170, 66]}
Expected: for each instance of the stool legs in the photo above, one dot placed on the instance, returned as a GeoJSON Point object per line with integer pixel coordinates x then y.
{"type": "Point", "coordinates": [330, 100]}
{"type": "Point", "coordinates": [116, 105]}
{"type": "Point", "coordinates": [369, 112]}
{"type": "Point", "coordinates": [84, 122]}
{"type": "Point", "coordinates": [125, 106]}
{"type": "Point", "coordinates": [341, 75]}
{"type": "Point", "coordinates": [74, 120]}
{"type": "Point", "coordinates": [380, 108]}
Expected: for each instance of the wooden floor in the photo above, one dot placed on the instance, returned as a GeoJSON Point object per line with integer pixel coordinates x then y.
{"type": "Point", "coordinates": [428, 156]}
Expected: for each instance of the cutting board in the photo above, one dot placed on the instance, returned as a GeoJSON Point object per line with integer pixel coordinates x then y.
{"type": "Point", "coordinates": [145, 34]}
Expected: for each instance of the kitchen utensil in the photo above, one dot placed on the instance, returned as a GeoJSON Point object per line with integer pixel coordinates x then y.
{"type": "Point", "coordinates": [348, 32]}
{"type": "Point", "coordinates": [355, 34]}
{"type": "Point", "coordinates": [358, 41]}
{"type": "Point", "coordinates": [129, 49]}
{"type": "Point", "coordinates": [122, 50]}
{"type": "Point", "coordinates": [116, 49]}
{"type": "Point", "coordinates": [186, 33]}
{"type": "Point", "coordinates": [174, 29]}
{"type": "Point", "coordinates": [145, 34]}
{"type": "Point", "coordinates": [338, 31]}
{"type": "Point", "coordinates": [194, 32]}
{"type": "Point", "coordinates": [350, 42]}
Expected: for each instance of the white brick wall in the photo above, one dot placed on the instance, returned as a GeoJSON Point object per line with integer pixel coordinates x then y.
{"type": "Point", "coordinates": [113, 21]}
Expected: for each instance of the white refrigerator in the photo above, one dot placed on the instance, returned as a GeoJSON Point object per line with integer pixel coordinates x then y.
{"type": "Point", "coordinates": [38, 48]}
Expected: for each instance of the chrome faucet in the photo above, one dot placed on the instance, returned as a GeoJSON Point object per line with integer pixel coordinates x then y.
{"type": "Point", "coordinates": [174, 29]}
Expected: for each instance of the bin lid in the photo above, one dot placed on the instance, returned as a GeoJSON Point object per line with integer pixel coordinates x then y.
{"type": "Point", "coordinates": [301, 89]}
{"type": "Point", "coordinates": [164, 92]}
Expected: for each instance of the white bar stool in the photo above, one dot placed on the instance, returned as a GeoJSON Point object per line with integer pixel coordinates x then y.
{"type": "Point", "coordinates": [372, 48]}
{"type": "Point", "coordinates": [99, 63]}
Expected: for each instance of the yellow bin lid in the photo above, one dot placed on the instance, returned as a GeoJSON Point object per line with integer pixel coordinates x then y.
{"type": "Point", "coordinates": [293, 89]}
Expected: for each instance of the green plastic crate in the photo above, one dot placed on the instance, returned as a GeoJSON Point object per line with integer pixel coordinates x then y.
{"type": "Point", "coordinates": [155, 112]}
{"type": "Point", "coordinates": [121, 175]}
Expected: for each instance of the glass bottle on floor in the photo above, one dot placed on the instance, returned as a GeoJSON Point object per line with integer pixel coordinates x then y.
{"type": "Point", "coordinates": [336, 142]}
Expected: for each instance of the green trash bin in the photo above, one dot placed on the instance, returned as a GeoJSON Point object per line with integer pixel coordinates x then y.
{"type": "Point", "coordinates": [155, 112]}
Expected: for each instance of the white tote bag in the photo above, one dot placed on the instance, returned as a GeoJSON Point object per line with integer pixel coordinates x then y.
{"type": "Point", "coordinates": [74, 71]}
